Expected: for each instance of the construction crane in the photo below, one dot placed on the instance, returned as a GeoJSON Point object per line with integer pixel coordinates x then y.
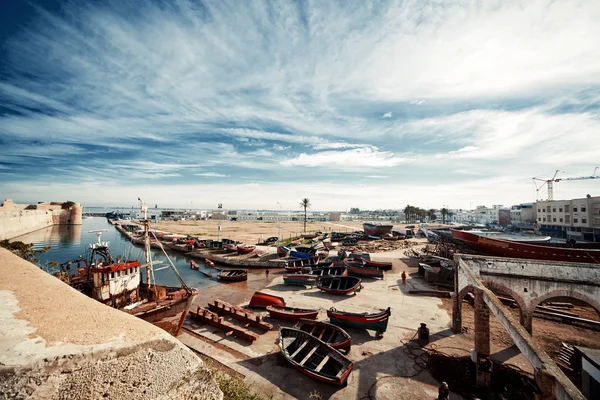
{"type": "Point", "coordinates": [550, 182]}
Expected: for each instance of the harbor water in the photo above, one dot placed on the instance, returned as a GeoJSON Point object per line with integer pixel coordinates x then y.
{"type": "Point", "coordinates": [68, 242]}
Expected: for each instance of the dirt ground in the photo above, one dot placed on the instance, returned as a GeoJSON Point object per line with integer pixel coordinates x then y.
{"type": "Point", "coordinates": [253, 231]}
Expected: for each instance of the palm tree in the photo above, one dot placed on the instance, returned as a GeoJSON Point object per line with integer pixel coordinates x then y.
{"type": "Point", "coordinates": [431, 214]}
{"type": "Point", "coordinates": [444, 212]}
{"type": "Point", "coordinates": [306, 204]}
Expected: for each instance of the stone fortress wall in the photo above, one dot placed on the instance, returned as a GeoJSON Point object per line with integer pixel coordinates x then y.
{"type": "Point", "coordinates": [19, 219]}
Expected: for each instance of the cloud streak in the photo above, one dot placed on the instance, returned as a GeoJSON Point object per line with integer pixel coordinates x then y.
{"type": "Point", "coordinates": [172, 92]}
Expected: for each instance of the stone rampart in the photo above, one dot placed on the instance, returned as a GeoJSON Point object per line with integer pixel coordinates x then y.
{"type": "Point", "coordinates": [56, 343]}
{"type": "Point", "coordinates": [19, 219]}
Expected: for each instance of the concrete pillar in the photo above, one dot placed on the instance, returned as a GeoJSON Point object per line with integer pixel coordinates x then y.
{"type": "Point", "coordinates": [456, 313]}
{"type": "Point", "coordinates": [482, 326]}
{"type": "Point", "coordinates": [526, 320]}
{"type": "Point", "coordinates": [545, 382]}
{"type": "Point", "coordinates": [482, 340]}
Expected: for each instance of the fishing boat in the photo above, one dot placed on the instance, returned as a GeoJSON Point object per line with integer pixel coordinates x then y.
{"type": "Point", "coordinates": [233, 275]}
{"type": "Point", "coordinates": [331, 334]}
{"type": "Point", "coordinates": [129, 285]}
{"type": "Point", "coordinates": [339, 285]}
{"type": "Point", "coordinates": [209, 263]}
{"type": "Point", "coordinates": [314, 357]}
{"type": "Point", "coordinates": [230, 247]}
{"type": "Point", "coordinates": [297, 268]}
{"type": "Point", "coordinates": [377, 229]}
{"type": "Point", "coordinates": [194, 266]}
{"type": "Point", "coordinates": [372, 321]}
{"type": "Point", "coordinates": [300, 280]}
{"type": "Point", "coordinates": [512, 249]}
{"type": "Point", "coordinates": [283, 251]}
{"type": "Point", "coordinates": [261, 252]}
{"type": "Point", "coordinates": [354, 270]}
{"type": "Point", "coordinates": [300, 254]}
{"type": "Point", "coordinates": [382, 265]}
{"type": "Point", "coordinates": [245, 249]}
{"type": "Point", "coordinates": [329, 271]}
{"type": "Point", "coordinates": [291, 313]}
{"type": "Point", "coordinates": [262, 300]}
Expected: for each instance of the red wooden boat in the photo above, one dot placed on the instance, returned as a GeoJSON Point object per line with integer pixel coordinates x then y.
{"type": "Point", "coordinates": [209, 263]}
{"type": "Point", "coordinates": [512, 249]}
{"type": "Point", "coordinates": [339, 285]}
{"type": "Point", "coordinates": [233, 275]}
{"type": "Point", "coordinates": [331, 334]}
{"type": "Point", "coordinates": [382, 265]}
{"type": "Point", "coordinates": [262, 300]}
{"type": "Point", "coordinates": [244, 249]}
{"type": "Point", "coordinates": [354, 270]}
{"type": "Point", "coordinates": [372, 321]}
{"type": "Point", "coordinates": [261, 252]}
{"type": "Point", "coordinates": [291, 313]}
{"type": "Point", "coordinates": [230, 246]}
{"type": "Point", "coordinates": [194, 266]}
{"type": "Point", "coordinates": [314, 357]}
{"type": "Point", "coordinates": [298, 268]}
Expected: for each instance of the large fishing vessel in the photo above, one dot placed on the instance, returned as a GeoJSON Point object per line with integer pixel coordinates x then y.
{"type": "Point", "coordinates": [129, 285]}
{"type": "Point", "coordinates": [376, 229]}
{"type": "Point", "coordinates": [539, 251]}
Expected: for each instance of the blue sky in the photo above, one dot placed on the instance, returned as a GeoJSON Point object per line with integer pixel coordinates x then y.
{"type": "Point", "coordinates": [351, 103]}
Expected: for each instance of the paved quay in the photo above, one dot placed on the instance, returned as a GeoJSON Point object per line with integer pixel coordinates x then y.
{"type": "Point", "coordinates": [386, 359]}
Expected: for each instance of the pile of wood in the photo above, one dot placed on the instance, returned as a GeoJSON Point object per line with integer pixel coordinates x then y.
{"type": "Point", "coordinates": [380, 246]}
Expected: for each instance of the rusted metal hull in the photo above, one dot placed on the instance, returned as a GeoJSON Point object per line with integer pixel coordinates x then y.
{"type": "Point", "coordinates": [167, 314]}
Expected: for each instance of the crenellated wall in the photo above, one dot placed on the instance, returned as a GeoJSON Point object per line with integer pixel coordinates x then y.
{"type": "Point", "coordinates": [19, 219]}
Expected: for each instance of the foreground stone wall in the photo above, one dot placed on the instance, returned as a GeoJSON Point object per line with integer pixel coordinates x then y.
{"type": "Point", "coordinates": [19, 219]}
{"type": "Point", "coordinates": [56, 343]}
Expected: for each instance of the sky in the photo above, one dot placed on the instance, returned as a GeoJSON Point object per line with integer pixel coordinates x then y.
{"type": "Point", "coordinates": [259, 104]}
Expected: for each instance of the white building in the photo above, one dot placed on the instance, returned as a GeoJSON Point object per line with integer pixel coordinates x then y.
{"type": "Point", "coordinates": [523, 214]}
{"type": "Point", "coordinates": [577, 219]}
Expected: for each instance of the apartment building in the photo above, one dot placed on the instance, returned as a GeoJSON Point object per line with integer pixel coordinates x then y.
{"type": "Point", "coordinates": [577, 219]}
{"type": "Point", "coordinates": [524, 214]}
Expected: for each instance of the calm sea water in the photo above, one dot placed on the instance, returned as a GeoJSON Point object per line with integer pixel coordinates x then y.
{"type": "Point", "coordinates": [68, 242]}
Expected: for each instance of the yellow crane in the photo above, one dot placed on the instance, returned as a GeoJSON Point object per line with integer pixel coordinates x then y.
{"type": "Point", "coordinates": [550, 182]}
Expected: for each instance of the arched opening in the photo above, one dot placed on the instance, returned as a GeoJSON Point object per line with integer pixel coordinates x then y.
{"type": "Point", "coordinates": [562, 319]}
{"type": "Point", "coordinates": [512, 302]}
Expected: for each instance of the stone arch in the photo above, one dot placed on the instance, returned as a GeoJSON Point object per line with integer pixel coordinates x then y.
{"type": "Point", "coordinates": [525, 314]}
{"type": "Point", "coordinates": [594, 303]}
{"type": "Point", "coordinates": [457, 308]}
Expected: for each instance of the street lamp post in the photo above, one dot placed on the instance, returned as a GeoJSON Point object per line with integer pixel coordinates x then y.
{"type": "Point", "coordinates": [220, 206]}
{"type": "Point", "coordinates": [279, 225]}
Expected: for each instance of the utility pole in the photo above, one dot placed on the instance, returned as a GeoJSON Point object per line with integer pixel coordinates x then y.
{"type": "Point", "coordinates": [220, 206]}
{"type": "Point", "coordinates": [279, 225]}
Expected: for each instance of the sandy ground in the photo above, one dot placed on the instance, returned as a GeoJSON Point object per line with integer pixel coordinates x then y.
{"type": "Point", "coordinates": [252, 231]}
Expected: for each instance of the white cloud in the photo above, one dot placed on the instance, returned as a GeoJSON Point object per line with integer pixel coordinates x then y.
{"type": "Point", "coordinates": [213, 175]}
{"type": "Point", "coordinates": [348, 159]}
{"type": "Point", "coordinates": [387, 115]}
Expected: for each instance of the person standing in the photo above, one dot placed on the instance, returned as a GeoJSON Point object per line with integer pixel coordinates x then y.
{"type": "Point", "coordinates": [403, 277]}
{"type": "Point", "coordinates": [267, 273]}
{"type": "Point", "coordinates": [443, 392]}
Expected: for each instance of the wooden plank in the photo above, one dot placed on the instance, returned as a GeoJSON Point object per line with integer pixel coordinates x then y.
{"type": "Point", "coordinates": [299, 348]}
{"type": "Point", "coordinates": [222, 307]}
{"type": "Point", "coordinates": [322, 363]}
{"type": "Point", "coordinates": [310, 353]}
{"type": "Point", "coordinates": [209, 318]}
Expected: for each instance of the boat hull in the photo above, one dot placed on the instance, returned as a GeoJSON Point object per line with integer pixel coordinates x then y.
{"type": "Point", "coordinates": [331, 334]}
{"type": "Point", "coordinates": [300, 280]}
{"type": "Point", "coordinates": [376, 322]}
{"type": "Point", "coordinates": [170, 317]}
{"type": "Point", "coordinates": [382, 265]}
{"type": "Point", "coordinates": [365, 271]}
{"type": "Point", "coordinates": [506, 248]}
{"type": "Point", "coordinates": [377, 229]}
{"type": "Point", "coordinates": [262, 300]}
{"type": "Point", "coordinates": [339, 285]}
{"type": "Point", "coordinates": [291, 314]}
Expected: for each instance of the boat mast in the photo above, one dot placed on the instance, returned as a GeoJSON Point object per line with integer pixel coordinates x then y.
{"type": "Point", "coordinates": [144, 209]}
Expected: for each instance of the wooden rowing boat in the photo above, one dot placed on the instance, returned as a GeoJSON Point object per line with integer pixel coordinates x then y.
{"type": "Point", "coordinates": [371, 321]}
{"type": "Point", "coordinates": [194, 266]}
{"type": "Point", "coordinates": [339, 285]}
{"type": "Point", "coordinates": [331, 334]}
{"type": "Point", "coordinates": [291, 313]}
{"type": "Point", "coordinates": [230, 247]}
{"type": "Point", "coordinates": [283, 251]}
{"type": "Point", "coordinates": [300, 280]}
{"type": "Point", "coordinates": [245, 249]}
{"type": "Point", "coordinates": [313, 357]}
{"type": "Point", "coordinates": [233, 275]}
{"type": "Point", "coordinates": [382, 265]}
{"type": "Point", "coordinates": [354, 270]}
{"type": "Point", "coordinates": [330, 271]}
{"type": "Point", "coordinates": [297, 268]}
{"type": "Point", "coordinates": [209, 263]}
{"type": "Point", "coordinates": [262, 300]}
